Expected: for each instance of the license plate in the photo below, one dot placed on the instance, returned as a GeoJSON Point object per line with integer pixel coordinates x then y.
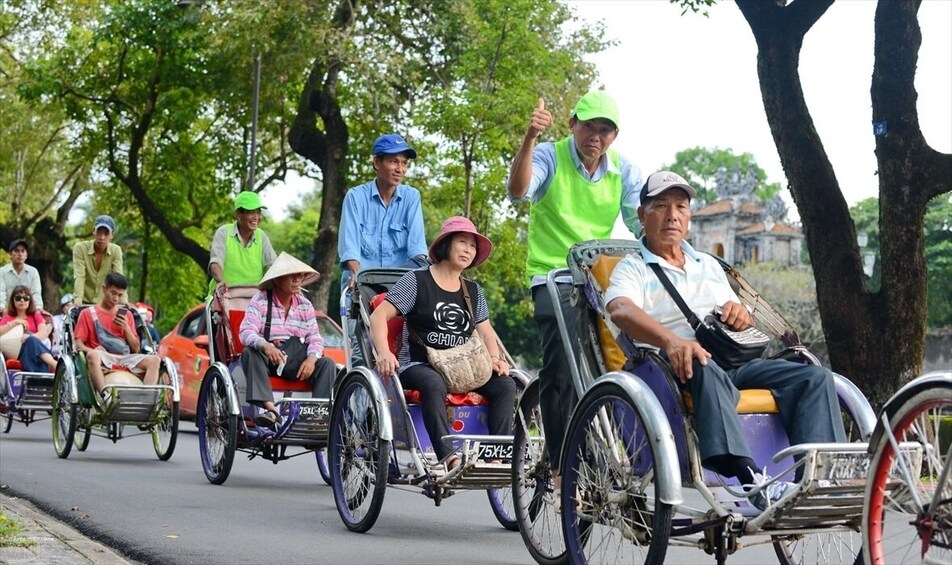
{"type": "Point", "coordinates": [491, 451]}
{"type": "Point", "coordinates": [844, 466]}
{"type": "Point", "coordinates": [315, 412]}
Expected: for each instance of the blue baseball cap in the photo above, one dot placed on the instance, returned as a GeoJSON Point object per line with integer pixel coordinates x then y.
{"type": "Point", "coordinates": [105, 221]}
{"type": "Point", "coordinates": [391, 144]}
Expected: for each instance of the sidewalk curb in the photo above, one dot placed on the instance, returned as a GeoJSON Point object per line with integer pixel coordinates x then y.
{"type": "Point", "coordinates": [56, 542]}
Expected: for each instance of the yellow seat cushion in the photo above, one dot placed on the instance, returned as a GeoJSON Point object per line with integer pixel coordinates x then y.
{"type": "Point", "coordinates": [614, 356]}
{"type": "Point", "coordinates": [752, 401]}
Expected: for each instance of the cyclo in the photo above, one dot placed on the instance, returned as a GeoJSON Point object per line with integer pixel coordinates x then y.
{"type": "Point", "coordinates": [907, 516]}
{"type": "Point", "coordinates": [630, 451]}
{"type": "Point", "coordinates": [78, 414]}
{"type": "Point", "coordinates": [24, 393]}
{"type": "Point", "coordinates": [226, 423]}
{"type": "Point", "coordinates": [378, 438]}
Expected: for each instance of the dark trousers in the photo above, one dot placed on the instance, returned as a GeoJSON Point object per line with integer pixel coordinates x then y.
{"type": "Point", "coordinates": [557, 397]}
{"type": "Point", "coordinates": [30, 351]}
{"type": "Point", "coordinates": [257, 368]}
{"type": "Point", "coordinates": [499, 391]}
{"type": "Point", "coordinates": [805, 395]}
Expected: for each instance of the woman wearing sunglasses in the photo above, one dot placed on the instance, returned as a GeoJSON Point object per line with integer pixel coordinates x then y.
{"type": "Point", "coordinates": [34, 355]}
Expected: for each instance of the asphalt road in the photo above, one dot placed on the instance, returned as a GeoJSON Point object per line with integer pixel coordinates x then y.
{"type": "Point", "coordinates": [167, 512]}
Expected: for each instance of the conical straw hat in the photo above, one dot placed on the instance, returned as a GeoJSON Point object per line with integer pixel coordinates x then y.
{"type": "Point", "coordinates": [287, 264]}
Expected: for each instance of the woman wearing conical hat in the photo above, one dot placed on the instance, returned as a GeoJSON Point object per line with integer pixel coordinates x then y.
{"type": "Point", "coordinates": [288, 339]}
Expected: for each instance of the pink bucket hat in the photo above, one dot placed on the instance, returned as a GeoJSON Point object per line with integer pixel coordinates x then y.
{"type": "Point", "coordinates": [461, 224]}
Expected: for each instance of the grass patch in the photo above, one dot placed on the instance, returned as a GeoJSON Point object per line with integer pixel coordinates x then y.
{"type": "Point", "coordinates": [8, 533]}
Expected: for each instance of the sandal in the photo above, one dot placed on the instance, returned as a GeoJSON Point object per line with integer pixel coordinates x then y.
{"type": "Point", "coordinates": [268, 419]}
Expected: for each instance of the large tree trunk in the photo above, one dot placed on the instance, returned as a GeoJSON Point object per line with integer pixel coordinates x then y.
{"type": "Point", "coordinates": [328, 148]}
{"type": "Point", "coordinates": [46, 234]}
{"type": "Point", "coordinates": [875, 338]}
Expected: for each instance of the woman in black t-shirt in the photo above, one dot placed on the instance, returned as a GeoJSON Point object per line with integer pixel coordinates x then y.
{"type": "Point", "coordinates": [432, 302]}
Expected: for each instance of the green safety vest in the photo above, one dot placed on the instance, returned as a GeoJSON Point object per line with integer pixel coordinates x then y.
{"type": "Point", "coordinates": [572, 210]}
{"type": "Point", "coordinates": [244, 266]}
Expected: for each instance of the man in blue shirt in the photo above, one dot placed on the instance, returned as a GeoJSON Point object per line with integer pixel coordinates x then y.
{"type": "Point", "coordinates": [382, 220]}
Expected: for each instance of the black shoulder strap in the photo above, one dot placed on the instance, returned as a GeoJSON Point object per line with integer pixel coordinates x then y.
{"type": "Point", "coordinates": [666, 282]}
{"type": "Point", "coordinates": [267, 319]}
{"type": "Point", "coordinates": [469, 302]}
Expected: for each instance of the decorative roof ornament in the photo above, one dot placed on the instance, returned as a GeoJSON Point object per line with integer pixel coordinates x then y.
{"type": "Point", "coordinates": [776, 208]}
{"type": "Point", "coordinates": [735, 183]}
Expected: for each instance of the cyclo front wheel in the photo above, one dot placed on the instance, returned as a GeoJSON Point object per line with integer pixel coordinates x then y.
{"type": "Point", "coordinates": [165, 430]}
{"type": "Point", "coordinates": [217, 427]}
{"type": "Point", "coordinates": [907, 517]}
{"type": "Point", "coordinates": [611, 511]}
{"type": "Point", "coordinates": [358, 456]}
{"type": "Point", "coordinates": [322, 466]}
{"type": "Point", "coordinates": [64, 413]}
{"type": "Point", "coordinates": [83, 428]}
{"type": "Point", "coordinates": [532, 490]}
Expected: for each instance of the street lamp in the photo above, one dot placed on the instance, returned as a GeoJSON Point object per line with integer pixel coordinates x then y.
{"type": "Point", "coordinates": [869, 258]}
{"type": "Point", "coordinates": [869, 261]}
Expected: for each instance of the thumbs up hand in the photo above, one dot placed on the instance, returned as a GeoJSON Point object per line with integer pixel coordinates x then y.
{"type": "Point", "coordinates": [541, 119]}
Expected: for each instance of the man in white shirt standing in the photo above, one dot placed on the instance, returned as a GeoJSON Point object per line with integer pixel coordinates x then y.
{"type": "Point", "coordinates": [17, 272]}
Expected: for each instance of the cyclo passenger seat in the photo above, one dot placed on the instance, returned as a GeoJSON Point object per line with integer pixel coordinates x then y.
{"type": "Point", "coordinates": [233, 306]}
{"type": "Point", "coordinates": [752, 401]}
{"type": "Point", "coordinates": [394, 340]}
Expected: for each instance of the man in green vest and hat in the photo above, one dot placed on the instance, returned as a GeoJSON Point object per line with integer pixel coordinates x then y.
{"type": "Point", "coordinates": [576, 186]}
{"type": "Point", "coordinates": [241, 252]}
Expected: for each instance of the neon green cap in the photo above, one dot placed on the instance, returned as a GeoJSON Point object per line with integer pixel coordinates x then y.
{"type": "Point", "coordinates": [247, 200]}
{"type": "Point", "coordinates": [597, 104]}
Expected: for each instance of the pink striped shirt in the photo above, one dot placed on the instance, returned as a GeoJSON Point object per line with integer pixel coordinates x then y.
{"type": "Point", "coordinates": [301, 322]}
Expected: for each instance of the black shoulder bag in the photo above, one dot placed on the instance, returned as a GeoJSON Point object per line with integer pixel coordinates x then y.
{"type": "Point", "coordinates": [730, 349]}
{"type": "Point", "coordinates": [293, 348]}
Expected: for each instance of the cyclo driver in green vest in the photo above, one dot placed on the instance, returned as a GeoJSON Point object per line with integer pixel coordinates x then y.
{"type": "Point", "coordinates": [576, 187]}
{"type": "Point", "coordinates": [241, 252]}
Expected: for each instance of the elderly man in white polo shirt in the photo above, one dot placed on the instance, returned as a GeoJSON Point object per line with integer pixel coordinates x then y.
{"type": "Point", "coordinates": [641, 307]}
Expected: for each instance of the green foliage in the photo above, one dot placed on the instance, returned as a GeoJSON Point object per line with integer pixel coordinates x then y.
{"type": "Point", "coordinates": [505, 56]}
{"type": "Point", "coordinates": [295, 234]}
{"type": "Point", "coordinates": [9, 528]}
{"type": "Point", "coordinates": [938, 243]}
{"type": "Point", "coordinates": [510, 302]}
{"type": "Point", "coordinates": [938, 231]}
{"type": "Point", "coordinates": [792, 293]}
{"type": "Point", "coordinates": [696, 6]}
{"type": "Point", "coordinates": [865, 214]}
{"type": "Point", "coordinates": [699, 166]}
{"type": "Point", "coordinates": [151, 101]}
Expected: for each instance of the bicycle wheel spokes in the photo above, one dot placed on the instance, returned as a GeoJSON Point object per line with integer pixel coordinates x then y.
{"type": "Point", "coordinates": [609, 500]}
{"type": "Point", "coordinates": [532, 490]}
{"type": "Point", "coordinates": [908, 514]}
{"type": "Point", "coordinates": [358, 457]}
{"type": "Point", "coordinates": [217, 428]}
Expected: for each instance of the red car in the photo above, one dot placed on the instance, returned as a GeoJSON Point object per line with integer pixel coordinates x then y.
{"type": "Point", "coordinates": [187, 346]}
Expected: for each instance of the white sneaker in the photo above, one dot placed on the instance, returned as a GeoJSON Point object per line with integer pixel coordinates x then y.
{"type": "Point", "coordinates": [770, 490]}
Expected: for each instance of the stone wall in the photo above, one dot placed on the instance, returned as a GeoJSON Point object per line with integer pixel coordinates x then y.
{"type": "Point", "coordinates": [938, 353]}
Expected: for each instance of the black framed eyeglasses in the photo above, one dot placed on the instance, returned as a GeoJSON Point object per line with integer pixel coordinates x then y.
{"type": "Point", "coordinates": [21, 298]}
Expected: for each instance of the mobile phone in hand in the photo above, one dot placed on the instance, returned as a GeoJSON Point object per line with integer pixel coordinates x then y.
{"type": "Point", "coordinates": [121, 314]}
